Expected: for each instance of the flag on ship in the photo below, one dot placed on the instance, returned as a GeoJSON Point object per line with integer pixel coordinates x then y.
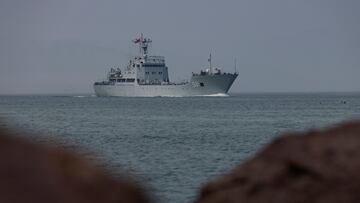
{"type": "Point", "coordinates": [137, 40]}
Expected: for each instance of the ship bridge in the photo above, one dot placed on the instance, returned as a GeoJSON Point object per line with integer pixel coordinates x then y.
{"type": "Point", "coordinates": [148, 69]}
{"type": "Point", "coordinates": [152, 70]}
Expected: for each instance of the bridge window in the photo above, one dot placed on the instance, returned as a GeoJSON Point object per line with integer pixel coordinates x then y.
{"type": "Point", "coordinates": [154, 65]}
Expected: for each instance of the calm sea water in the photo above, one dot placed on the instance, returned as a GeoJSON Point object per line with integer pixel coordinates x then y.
{"type": "Point", "coordinates": [174, 145]}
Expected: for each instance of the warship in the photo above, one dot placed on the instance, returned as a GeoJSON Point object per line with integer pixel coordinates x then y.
{"type": "Point", "coordinates": [147, 76]}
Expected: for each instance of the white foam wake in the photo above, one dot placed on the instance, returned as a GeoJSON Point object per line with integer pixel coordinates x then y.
{"type": "Point", "coordinates": [215, 95]}
{"type": "Point", "coordinates": [206, 95]}
{"type": "Point", "coordinates": [82, 96]}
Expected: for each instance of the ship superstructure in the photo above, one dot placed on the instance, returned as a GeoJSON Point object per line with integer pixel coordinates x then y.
{"type": "Point", "coordinates": [147, 76]}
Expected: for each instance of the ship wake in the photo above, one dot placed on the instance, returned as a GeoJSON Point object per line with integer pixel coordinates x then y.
{"type": "Point", "coordinates": [215, 95]}
{"type": "Point", "coordinates": [206, 95]}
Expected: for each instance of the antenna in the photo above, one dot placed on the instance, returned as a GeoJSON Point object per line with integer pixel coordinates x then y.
{"type": "Point", "coordinates": [235, 65]}
{"type": "Point", "coordinates": [210, 64]}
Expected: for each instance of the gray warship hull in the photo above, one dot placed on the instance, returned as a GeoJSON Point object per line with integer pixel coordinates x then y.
{"type": "Point", "coordinates": [147, 76]}
{"type": "Point", "coordinates": [199, 85]}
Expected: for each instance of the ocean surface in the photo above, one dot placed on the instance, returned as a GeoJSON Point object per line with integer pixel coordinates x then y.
{"type": "Point", "coordinates": [172, 145]}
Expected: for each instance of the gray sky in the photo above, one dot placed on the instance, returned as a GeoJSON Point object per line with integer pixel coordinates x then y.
{"type": "Point", "coordinates": [280, 45]}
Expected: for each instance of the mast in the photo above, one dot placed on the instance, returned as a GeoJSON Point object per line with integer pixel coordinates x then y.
{"type": "Point", "coordinates": [140, 43]}
{"type": "Point", "coordinates": [143, 44]}
{"type": "Point", "coordinates": [210, 64]}
{"type": "Point", "coordinates": [235, 65]}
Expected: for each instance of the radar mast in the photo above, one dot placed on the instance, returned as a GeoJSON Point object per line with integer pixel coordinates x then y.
{"type": "Point", "coordinates": [143, 44]}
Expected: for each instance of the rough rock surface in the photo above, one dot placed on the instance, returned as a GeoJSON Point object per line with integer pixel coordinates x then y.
{"type": "Point", "coordinates": [33, 173]}
{"type": "Point", "coordinates": [318, 166]}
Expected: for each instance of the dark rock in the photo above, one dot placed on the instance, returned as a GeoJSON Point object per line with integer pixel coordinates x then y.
{"type": "Point", "coordinates": [34, 173]}
{"type": "Point", "coordinates": [318, 166]}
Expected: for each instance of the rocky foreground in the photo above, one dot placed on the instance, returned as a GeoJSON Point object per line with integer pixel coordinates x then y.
{"type": "Point", "coordinates": [317, 166]}
{"type": "Point", "coordinates": [31, 173]}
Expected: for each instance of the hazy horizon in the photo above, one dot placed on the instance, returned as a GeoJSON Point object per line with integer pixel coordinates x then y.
{"type": "Point", "coordinates": [281, 46]}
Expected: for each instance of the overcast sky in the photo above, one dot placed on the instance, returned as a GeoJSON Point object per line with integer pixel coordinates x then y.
{"type": "Point", "coordinates": [281, 45]}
